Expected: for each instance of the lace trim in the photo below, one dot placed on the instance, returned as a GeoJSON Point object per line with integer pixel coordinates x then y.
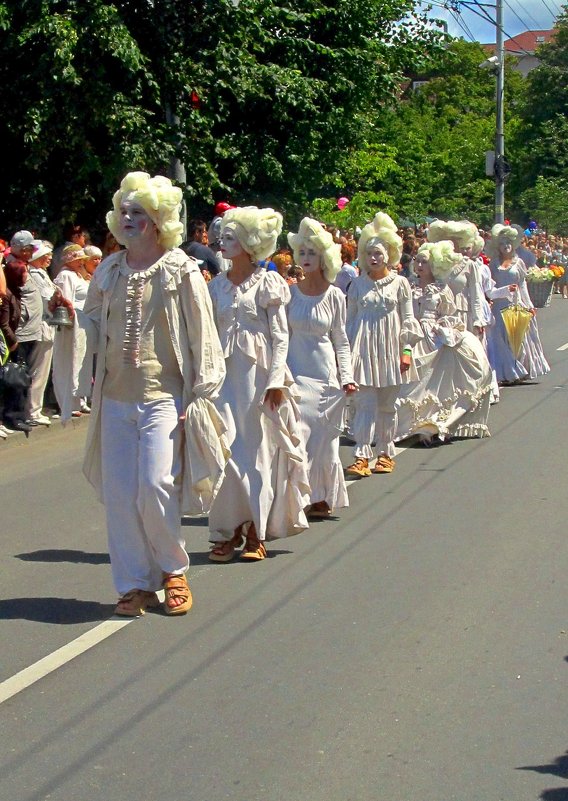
{"type": "Point", "coordinates": [136, 284]}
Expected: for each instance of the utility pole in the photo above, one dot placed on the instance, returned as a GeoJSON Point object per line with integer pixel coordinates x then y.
{"type": "Point", "coordinates": [501, 167]}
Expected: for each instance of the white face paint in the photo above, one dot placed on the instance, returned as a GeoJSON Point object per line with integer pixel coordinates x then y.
{"type": "Point", "coordinates": [375, 257]}
{"type": "Point", "coordinates": [422, 267]}
{"type": "Point", "coordinates": [134, 220]}
{"type": "Point", "coordinates": [309, 259]}
{"type": "Point", "coordinates": [230, 245]}
{"type": "Point", "coordinates": [505, 247]}
{"type": "Point", "coordinates": [467, 251]}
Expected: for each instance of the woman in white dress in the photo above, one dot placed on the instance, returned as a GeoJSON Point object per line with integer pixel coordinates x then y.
{"type": "Point", "coordinates": [382, 330]}
{"type": "Point", "coordinates": [73, 347]}
{"type": "Point", "coordinates": [265, 489]}
{"type": "Point", "coordinates": [464, 279]}
{"type": "Point", "coordinates": [452, 397]}
{"type": "Point", "coordinates": [508, 269]}
{"type": "Point", "coordinates": [320, 360]}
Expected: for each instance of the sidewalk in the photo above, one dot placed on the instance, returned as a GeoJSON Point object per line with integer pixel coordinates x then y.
{"type": "Point", "coordinates": [38, 433]}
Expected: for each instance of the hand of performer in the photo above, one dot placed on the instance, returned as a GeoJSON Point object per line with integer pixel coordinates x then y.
{"type": "Point", "coordinates": [349, 389]}
{"type": "Point", "coordinates": [405, 360]}
{"type": "Point", "coordinates": [57, 299]}
{"type": "Point", "coordinates": [274, 398]}
{"type": "Point", "coordinates": [533, 311]}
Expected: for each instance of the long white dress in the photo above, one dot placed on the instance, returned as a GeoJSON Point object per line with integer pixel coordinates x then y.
{"type": "Point", "coordinates": [320, 361]}
{"type": "Point", "coordinates": [266, 477]}
{"type": "Point", "coordinates": [466, 284]}
{"type": "Point", "coordinates": [531, 361]}
{"type": "Point", "coordinates": [453, 395]}
{"type": "Point", "coordinates": [380, 324]}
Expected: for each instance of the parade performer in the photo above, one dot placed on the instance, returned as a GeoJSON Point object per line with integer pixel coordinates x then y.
{"type": "Point", "coordinates": [265, 489]}
{"type": "Point", "coordinates": [382, 330]}
{"type": "Point", "coordinates": [320, 360]}
{"type": "Point", "coordinates": [159, 361]}
{"type": "Point", "coordinates": [453, 395]}
{"type": "Point", "coordinates": [464, 279]}
{"type": "Point", "coordinates": [508, 269]}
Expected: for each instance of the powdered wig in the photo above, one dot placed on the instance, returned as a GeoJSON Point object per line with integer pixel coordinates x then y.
{"type": "Point", "coordinates": [502, 233]}
{"type": "Point", "coordinates": [312, 233]}
{"type": "Point", "coordinates": [462, 232]}
{"type": "Point", "coordinates": [257, 229]}
{"type": "Point", "coordinates": [381, 231]}
{"type": "Point", "coordinates": [478, 245]}
{"type": "Point", "coordinates": [442, 257]}
{"type": "Point", "coordinates": [160, 200]}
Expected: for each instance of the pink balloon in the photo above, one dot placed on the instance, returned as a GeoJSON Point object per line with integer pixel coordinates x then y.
{"type": "Point", "coordinates": [342, 202]}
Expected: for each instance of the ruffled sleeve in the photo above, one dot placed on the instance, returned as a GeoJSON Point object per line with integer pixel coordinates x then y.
{"type": "Point", "coordinates": [410, 329]}
{"type": "Point", "coordinates": [274, 291]}
{"type": "Point", "coordinates": [475, 296]}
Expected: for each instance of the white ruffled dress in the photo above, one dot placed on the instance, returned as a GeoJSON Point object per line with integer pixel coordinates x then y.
{"type": "Point", "coordinates": [453, 395]}
{"type": "Point", "coordinates": [532, 361]}
{"type": "Point", "coordinates": [320, 361]}
{"type": "Point", "coordinates": [380, 324]}
{"type": "Point", "coordinates": [465, 282]}
{"type": "Point", "coordinates": [266, 477]}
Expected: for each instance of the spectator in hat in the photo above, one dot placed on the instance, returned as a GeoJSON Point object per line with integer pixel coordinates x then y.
{"type": "Point", "coordinates": [73, 347]}
{"type": "Point", "coordinates": [74, 234]}
{"type": "Point", "coordinates": [41, 355]}
{"type": "Point", "coordinates": [94, 257]}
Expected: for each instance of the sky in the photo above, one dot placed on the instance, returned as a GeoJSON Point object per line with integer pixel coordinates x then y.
{"type": "Point", "coordinates": [519, 16]}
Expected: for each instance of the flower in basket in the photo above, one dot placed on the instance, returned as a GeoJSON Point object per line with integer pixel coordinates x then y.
{"type": "Point", "coordinates": [538, 275]}
{"type": "Point", "coordinates": [558, 270]}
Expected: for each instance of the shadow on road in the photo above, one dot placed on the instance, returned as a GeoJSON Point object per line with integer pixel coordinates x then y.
{"type": "Point", "coordinates": [65, 555]}
{"type": "Point", "coordinates": [61, 611]}
{"type": "Point", "coordinates": [557, 794]}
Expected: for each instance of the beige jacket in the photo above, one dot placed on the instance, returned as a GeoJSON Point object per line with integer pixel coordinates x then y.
{"type": "Point", "coordinates": [198, 351]}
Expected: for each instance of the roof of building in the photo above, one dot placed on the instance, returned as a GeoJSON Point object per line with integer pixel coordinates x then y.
{"type": "Point", "coordinates": [525, 42]}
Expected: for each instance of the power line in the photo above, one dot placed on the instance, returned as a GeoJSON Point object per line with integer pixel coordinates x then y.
{"type": "Point", "coordinates": [485, 16]}
{"type": "Point", "coordinates": [456, 15]}
{"type": "Point", "coordinates": [510, 7]}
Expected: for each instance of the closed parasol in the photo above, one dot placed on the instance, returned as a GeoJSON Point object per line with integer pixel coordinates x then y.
{"type": "Point", "coordinates": [516, 320]}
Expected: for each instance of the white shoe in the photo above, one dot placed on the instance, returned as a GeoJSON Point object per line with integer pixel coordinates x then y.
{"type": "Point", "coordinates": [85, 408]}
{"type": "Point", "coordinates": [5, 431]}
{"type": "Point", "coordinates": [40, 420]}
{"type": "Point", "coordinates": [3, 434]}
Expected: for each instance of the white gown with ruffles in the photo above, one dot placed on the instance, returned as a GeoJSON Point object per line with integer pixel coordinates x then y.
{"type": "Point", "coordinates": [531, 362]}
{"type": "Point", "coordinates": [266, 477]}
{"type": "Point", "coordinates": [453, 395]}
{"type": "Point", "coordinates": [320, 361]}
{"type": "Point", "coordinates": [380, 324]}
{"type": "Point", "coordinates": [465, 282]}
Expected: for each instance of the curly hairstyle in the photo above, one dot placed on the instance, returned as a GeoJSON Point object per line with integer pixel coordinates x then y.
{"type": "Point", "coordinates": [161, 201]}
{"type": "Point", "coordinates": [441, 256]}
{"type": "Point", "coordinates": [311, 232]}
{"type": "Point", "coordinates": [257, 229]}
{"type": "Point", "coordinates": [502, 233]}
{"type": "Point", "coordinates": [462, 232]}
{"type": "Point", "coordinates": [381, 230]}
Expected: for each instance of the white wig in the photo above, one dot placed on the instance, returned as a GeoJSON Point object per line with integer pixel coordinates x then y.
{"type": "Point", "coordinates": [502, 233]}
{"type": "Point", "coordinates": [257, 229]}
{"type": "Point", "coordinates": [311, 232]}
{"type": "Point", "coordinates": [161, 201]}
{"type": "Point", "coordinates": [383, 231]}
{"type": "Point", "coordinates": [462, 232]}
{"type": "Point", "coordinates": [478, 245]}
{"type": "Point", "coordinates": [442, 257]}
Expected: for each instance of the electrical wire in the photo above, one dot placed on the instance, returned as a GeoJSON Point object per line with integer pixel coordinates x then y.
{"type": "Point", "coordinates": [457, 17]}
{"type": "Point", "coordinates": [485, 16]}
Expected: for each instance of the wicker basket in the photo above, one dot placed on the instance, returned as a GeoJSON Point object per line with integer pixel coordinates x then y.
{"type": "Point", "coordinates": [540, 293]}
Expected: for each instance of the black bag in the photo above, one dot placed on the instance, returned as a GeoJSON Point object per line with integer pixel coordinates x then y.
{"type": "Point", "coordinates": [14, 375]}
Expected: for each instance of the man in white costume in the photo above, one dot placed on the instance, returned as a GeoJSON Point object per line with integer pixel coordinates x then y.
{"type": "Point", "coordinates": [159, 364]}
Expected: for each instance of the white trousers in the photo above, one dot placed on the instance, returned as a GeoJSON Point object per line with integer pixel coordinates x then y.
{"type": "Point", "coordinates": [374, 420]}
{"type": "Point", "coordinates": [142, 471]}
{"type": "Point", "coordinates": [40, 365]}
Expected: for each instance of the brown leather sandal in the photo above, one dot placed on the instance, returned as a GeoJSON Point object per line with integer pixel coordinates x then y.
{"type": "Point", "coordinates": [135, 602]}
{"type": "Point", "coordinates": [176, 586]}
{"type": "Point", "coordinates": [224, 550]}
{"type": "Point", "coordinates": [254, 550]}
{"type": "Point", "coordinates": [319, 510]}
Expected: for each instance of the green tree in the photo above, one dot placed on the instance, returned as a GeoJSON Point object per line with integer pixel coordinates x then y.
{"type": "Point", "coordinates": [268, 96]}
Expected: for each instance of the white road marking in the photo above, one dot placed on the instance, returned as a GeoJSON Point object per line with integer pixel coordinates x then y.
{"type": "Point", "coordinates": [563, 347]}
{"type": "Point", "coordinates": [28, 676]}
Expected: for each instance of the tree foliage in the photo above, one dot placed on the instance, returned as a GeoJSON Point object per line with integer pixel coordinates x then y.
{"type": "Point", "coordinates": [267, 95]}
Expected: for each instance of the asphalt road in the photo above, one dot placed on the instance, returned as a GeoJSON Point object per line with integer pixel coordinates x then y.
{"type": "Point", "coordinates": [414, 650]}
